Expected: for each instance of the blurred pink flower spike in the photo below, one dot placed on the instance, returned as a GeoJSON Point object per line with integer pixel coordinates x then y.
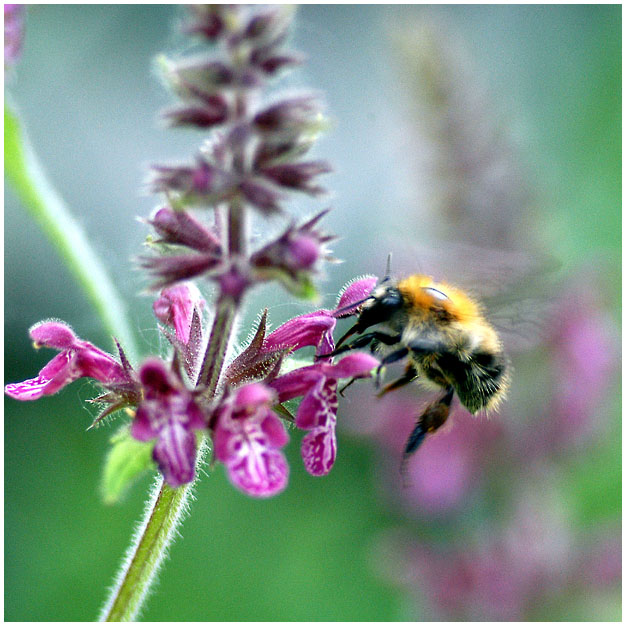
{"type": "Point", "coordinates": [248, 437]}
{"type": "Point", "coordinates": [168, 412]}
{"type": "Point", "coordinates": [318, 410]}
{"type": "Point", "coordinates": [584, 348]}
{"type": "Point", "coordinates": [77, 359]}
{"type": "Point", "coordinates": [13, 32]}
{"type": "Point", "coordinates": [175, 307]}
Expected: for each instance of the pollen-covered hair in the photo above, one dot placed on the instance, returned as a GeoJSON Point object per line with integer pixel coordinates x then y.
{"type": "Point", "coordinates": [422, 294]}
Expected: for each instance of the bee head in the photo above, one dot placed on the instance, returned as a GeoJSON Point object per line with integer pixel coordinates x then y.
{"type": "Point", "coordinates": [383, 303]}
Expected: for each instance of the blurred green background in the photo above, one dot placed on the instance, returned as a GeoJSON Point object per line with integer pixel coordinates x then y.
{"type": "Point", "coordinates": [88, 95]}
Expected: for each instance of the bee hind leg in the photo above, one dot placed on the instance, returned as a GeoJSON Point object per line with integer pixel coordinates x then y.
{"type": "Point", "coordinates": [433, 417]}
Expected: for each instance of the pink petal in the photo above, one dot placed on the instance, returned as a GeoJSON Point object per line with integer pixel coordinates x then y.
{"type": "Point", "coordinates": [92, 362]}
{"type": "Point", "coordinates": [296, 383]}
{"type": "Point", "coordinates": [143, 428]}
{"type": "Point", "coordinates": [305, 330]}
{"type": "Point", "coordinates": [261, 473]}
{"type": "Point", "coordinates": [319, 406]}
{"type": "Point", "coordinates": [355, 365]}
{"type": "Point", "coordinates": [355, 292]}
{"type": "Point", "coordinates": [175, 306]}
{"type": "Point", "coordinates": [31, 389]}
{"type": "Point", "coordinates": [155, 376]}
{"type": "Point", "coordinates": [175, 452]}
{"type": "Point", "coordinates": [53, 335]}
{"type": "Point", "coordinates": [273, 428]}
{"type": "Point", "coordinates": [253, 395]}
{"type": "Point", "coordinates": [319, 449]}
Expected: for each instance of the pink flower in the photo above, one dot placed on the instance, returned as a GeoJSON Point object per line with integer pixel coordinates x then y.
{"type": "Point", "coordinates": [175, 306]}
{"type": "Point", "coordinates": [317, 383]}
{"type": "Point", "coordinates": [247, 439]}
{"type": "Point", "coordinates": [169, 413]}
{"type": "Point", "coordinates": [318, 410]}
{"type": "Point", "coordinates": [76, 359]}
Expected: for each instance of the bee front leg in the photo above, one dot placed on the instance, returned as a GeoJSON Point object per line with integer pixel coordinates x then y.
{"type": "Point", "coordinates": [397, 355]}
{"type": "Point", "coordinates": [361, 342]}
{"type": "Point", "coordinates": [409, 376]}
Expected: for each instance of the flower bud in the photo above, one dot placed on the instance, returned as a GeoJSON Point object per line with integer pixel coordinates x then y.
{"type": "Point", "coordinates": [298, 176]}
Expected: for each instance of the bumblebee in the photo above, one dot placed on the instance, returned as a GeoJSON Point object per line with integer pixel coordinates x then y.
{"type": "Point", "coordinates": [443, 335]}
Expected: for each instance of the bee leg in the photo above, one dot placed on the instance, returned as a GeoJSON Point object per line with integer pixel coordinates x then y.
{"type": "Point", "coordinates": [409, 376]}
{"type": "Point", "coordinates": [344, 387]}
{"type": "Point", "coordinates": [390, 358]}
{"type": "Point", "coordinates": [361, 342]}
{"type": "Point", "coordinates": [429, 421]}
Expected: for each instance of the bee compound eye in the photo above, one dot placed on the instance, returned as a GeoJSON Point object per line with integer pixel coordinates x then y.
{"type": "Point", "coordinates": [435, 293]}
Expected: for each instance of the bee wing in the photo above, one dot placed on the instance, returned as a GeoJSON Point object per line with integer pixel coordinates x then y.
{"type": "Point", "coordinates": [517, 288]}
{"type": "Point", "coordinates": [479, 270]}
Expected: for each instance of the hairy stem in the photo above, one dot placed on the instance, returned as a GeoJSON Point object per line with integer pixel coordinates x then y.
{"type": "Point", "coordinates": [164, 512]}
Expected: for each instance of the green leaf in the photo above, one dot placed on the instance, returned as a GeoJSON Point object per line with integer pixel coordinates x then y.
{"type": "Point", "coordinates": [126, 461]}
{"type": "Point", "coordinates": [38, 196]}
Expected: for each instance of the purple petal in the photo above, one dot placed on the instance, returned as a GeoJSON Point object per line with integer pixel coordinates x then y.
{"type": "Point", "coordinates": [175, 306]}
{"type": "Point", "coordinates": [319, 406]}
{"type": "Point", "coordinates": [31, 389]}
{"type": "Point", "coordinates": [250, 397]}
{"type": "Point", "coordinates": [261, 472]}
{"type": "Point", "coordinates": [155, 377]}
{"type": "Point", "coordinates": [319, 449]}
{"type": "Point", "coordinates": [92, 362]}
{"type": "Point", "coordinates": [53, 335]}
{"type": "Point", "coordinates": [302, 252]}
{"type": "Point", "coordinates": [175, 452]}
{"type": "Point", "coordinates": [355, 292]}
{"type": "Point", "coordinates": [355, 365]}
{"type": "Point", "coordinates": [296, 383]}
{"type": "Point", "coordinates": [143, 427]}
{"type": "Point", "coordinates": [305, 330]}
{"type": "Point", "coordinates": [273, 427]}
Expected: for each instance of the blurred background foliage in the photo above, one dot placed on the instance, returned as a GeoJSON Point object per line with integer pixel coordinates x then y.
{"type": "Point", "coordinates": [495, 125]}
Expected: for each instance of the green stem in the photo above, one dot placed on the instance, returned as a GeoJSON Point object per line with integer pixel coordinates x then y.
{"type": "Point", "coordinates": [164, 512]}
{"type": "Point", "coordinates": [37, 194]}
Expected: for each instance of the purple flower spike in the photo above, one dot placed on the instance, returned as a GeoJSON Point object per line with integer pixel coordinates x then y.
{"type": "Point", "coordinates": [318, 409]}
{"type": "Point", "coordinates": [175, 306]}
{"type": "Point", "coordinates": [77, 359]}
{"type": "Point", "coordinates": [168, 412]}
{"type": "Point", "coordinates": [247, 439]}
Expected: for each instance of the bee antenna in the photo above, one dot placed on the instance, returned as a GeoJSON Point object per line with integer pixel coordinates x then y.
{"type": "Point", "coordinates": [388, 270]}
